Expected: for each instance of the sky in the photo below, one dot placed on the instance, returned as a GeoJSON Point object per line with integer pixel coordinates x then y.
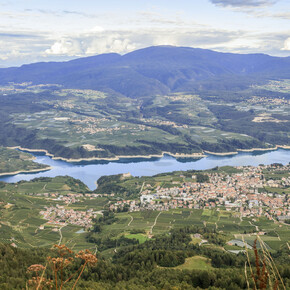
{"type": "Point", "coordinates": [59, 30]}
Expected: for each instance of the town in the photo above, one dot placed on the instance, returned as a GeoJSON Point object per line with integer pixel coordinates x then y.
{"type": "Point", "coordinates": [246, 193]}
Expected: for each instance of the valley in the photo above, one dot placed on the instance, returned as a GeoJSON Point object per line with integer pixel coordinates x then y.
{"type": "Point", "coordinates": [238, 202]}
{"type": "Point", "coordinates": [87, 124]}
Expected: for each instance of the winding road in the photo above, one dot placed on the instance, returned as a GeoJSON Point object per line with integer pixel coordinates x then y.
{"type": "Point", "coordinates": [60, 233]}
{"type": "Point", "coordinates": [257, 228]}
{"type": "Point", "coordinates": [130, 220]}
{"type": "Point", "coordinates": [151, 230]}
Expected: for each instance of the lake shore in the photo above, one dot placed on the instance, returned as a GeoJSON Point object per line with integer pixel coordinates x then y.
{"type": "Point", "coordinates": [26, 171]}
{"type": "Point", "coordinates": [248, 150]}
{"type": "Point", "coordinates": [116, 158]}
{"type": "Point", "coordinates": [90, 172]}
{"type": "Point", "coordinates": [221, 153]}
{"type": "Point", "coordinates": [177, 155]}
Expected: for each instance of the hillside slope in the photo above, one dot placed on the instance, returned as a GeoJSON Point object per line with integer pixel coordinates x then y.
{"type": "Point", "coordinates": [154, 70]}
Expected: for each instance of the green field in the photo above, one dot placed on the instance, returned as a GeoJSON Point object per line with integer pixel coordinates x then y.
{"type": "Point", "coordinates": [22, 224]}
{"type": "Point", "coordinates": [140, 237]}
{"type": "Point", "coordinates": [195, 263]}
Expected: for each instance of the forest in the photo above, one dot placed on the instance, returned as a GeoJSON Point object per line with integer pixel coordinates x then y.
{"type": "Point", "coordinates": [151, 265]}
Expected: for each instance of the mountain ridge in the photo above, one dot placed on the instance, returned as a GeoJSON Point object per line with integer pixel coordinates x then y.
{"type": "Point", "coordinates": [151, 71]}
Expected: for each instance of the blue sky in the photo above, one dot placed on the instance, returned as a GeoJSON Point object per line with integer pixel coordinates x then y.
{"type": "Point", "coordinates": [35, 30]}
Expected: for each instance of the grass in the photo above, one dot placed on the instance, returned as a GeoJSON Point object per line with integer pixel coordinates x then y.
{"type": "Point", "coordinates": [195, 240]}
{"type": "Point", "coordinates": [195, 263]}
{"type": "Point", "coordinates": [140, 237]}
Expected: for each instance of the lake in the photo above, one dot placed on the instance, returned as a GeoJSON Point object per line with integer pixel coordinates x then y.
{"type": "Point", "coordinates": [89, 172]}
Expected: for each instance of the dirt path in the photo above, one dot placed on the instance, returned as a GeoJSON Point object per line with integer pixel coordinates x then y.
{"type": "Point", "coordinates": [257, 228]}
{"type": "Point", "coordinates": [29, 200]}
{"type": "Point", "coordinates": [151, 230]}
{"type": "Point", "coordinates": [278, 236]}
{"type": "Point", "coordinates": [142, 187]}
{"type": "Point", "coordinates": [60, 233]}
{"type": "Point", "coordinates": [130, 220]}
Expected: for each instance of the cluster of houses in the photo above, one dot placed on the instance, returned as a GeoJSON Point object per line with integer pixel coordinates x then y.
{"type": "Point", "coordinates": [93, 125]}
{"type": "Point", "coordinates": [268, 101]}
{"type": "Point", "coordinates": [163, 122]}
{"type": "Point", "coordinates": [59, 215]}
{"type": "Point", "coordinates": [250, 192]}
{"type": "Point", "coordinates": [66, 198]}
{"type": "Point", "coordinates": [243, 192]}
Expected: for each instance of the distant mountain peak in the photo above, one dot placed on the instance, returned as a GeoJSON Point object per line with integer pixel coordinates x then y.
{"type": "Point", "coordinates": [152, 70]}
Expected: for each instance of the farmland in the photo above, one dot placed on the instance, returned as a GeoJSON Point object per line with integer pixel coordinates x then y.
{"type": "Point", "coordinates": [195, 263]}
{"type": "Point", "coordinates": [47, 211]}
{"type": "Point", "coordinates": [22, 225]}
{"type": "Point", "coordinates": [82, 124]}
{"type": "Point", "coordinates": [12, 161]}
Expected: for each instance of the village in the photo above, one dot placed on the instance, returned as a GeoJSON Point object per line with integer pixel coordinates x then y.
{"type": "Point", "coordinates": [93, 125]}
{"type": "Point", "coordinates": [247, 192]}
{"type": "Point", "coordinates": [268, 101]}
{"type": "Point", "coordinates": [242, 192]}
{"type": "Point", "coordinates": [61, 215]}
{"type": "Point", "coordinates": [160, 122]}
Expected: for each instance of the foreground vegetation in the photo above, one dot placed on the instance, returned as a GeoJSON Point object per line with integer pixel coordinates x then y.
{"type": "Point", "coordinates": [180, 248]}
{"type": "Point", "coordinates": [151, 265]}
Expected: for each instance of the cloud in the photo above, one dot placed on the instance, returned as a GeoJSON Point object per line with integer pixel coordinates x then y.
{"type": "Point", "coordinates": [16, 35]}
{"type": "Point", "coordinates": [61, 13]}
{"type": "Point", "coordinates": [98, 40]}
{"type": "Point", "coordinates": [244, 3]}
{"type": "Point", "coordinates": [92, 43]}
{"type": "Point", "coordinates": [65, 47]}
{"type": "Point", "coordinates": [284, 15]}
{"type": "Point", "coordinates": [286, 44]}
{"type": "Point", "coordinates": [281, 15]}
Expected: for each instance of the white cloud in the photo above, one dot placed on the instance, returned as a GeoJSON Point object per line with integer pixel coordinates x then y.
{"type": "Point", "coordinates": [286, 44]}
{"type": "Point", "coordinates": [49, 47]}
{"type": "Point", "coordinates": [70, 47]}
{"type": "Point", "coordinates": [91, 43]}
{"type": "Point", "coordinates": [244, 3]}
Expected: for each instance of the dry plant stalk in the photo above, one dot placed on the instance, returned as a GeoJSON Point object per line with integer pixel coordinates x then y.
{"type": "Point", "coordinates": [64, 258]}
{"type": "Point", "coordinates": [267, 275]}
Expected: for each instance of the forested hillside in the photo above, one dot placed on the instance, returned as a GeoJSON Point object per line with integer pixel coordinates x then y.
{"type": "Point", "coordinates": [154, 71]}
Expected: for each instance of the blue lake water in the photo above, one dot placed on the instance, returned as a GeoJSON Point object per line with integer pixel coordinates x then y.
{"type": "Point", "coordinates": [89, 172]}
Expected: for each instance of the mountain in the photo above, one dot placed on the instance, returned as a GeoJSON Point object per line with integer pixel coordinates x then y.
{"type": "Point", "coordinates": [154, 70]}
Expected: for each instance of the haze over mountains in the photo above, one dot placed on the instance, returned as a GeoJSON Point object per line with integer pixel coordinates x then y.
{"type": "Point", "coordinates": [154, 70]}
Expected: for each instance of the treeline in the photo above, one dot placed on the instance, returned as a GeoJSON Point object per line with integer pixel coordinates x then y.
{"type": "Point", "coordinates": [148, 265]}
{"type": "Point", "coordinates": [113, 184]}
{"type": "Point", "coordinates": [232, 120]}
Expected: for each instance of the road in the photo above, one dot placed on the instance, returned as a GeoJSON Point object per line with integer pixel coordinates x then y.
{"type": "Point", "coordinates": [60, 233]}
{"type": "Point", "coordinates": [151, 230]}
{"type": "Point", "coordinates": [257, 228]}
{"type": "Point", "coordinates": [130, 220]}
{"type": "Point", "coordinates": [142, 187]}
